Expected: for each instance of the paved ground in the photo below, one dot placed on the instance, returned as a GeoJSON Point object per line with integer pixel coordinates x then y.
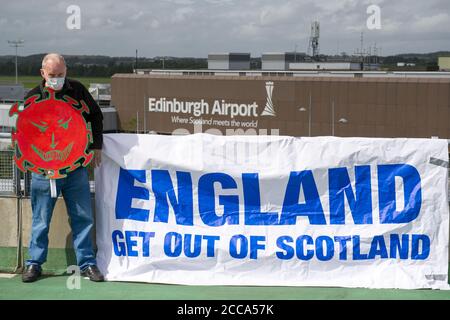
{"type": "Point", "coordinates": [54, 287]}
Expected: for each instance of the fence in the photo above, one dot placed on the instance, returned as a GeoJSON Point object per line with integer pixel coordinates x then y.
{"type": "Point", "coordinates": [16, 183]}
{"type": "Point", "coordinates": [8, 174]}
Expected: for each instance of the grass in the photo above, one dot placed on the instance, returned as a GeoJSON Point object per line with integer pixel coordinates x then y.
{"type": "Point", "coordinates": [54, 287]}
{"type": "Point", "coordinates": [30, 82]}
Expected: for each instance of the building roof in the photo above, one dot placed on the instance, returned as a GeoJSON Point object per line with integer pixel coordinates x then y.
{"type": "Point", "coordinates": [290, 74]}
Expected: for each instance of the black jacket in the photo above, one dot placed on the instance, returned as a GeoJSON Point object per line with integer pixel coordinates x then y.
{"type": "Point", "coordinates": [77, 91]}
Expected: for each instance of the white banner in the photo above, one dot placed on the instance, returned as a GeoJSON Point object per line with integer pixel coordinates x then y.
{"type": "Point", "coordinates": [273, 211]}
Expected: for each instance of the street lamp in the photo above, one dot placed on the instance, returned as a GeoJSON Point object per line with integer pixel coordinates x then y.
{"type": "Point", "coordinates": [302, 109]}
{"type": "Point", "coordinates": [16, 44]}
{"type": "Point", "coordinates": [310, 113]}
{"type": "Point", "coordinates": [341, 120]}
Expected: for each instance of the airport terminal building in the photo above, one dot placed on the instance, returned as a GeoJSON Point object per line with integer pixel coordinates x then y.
{"type": "Point", "coordinates": [315, 103]}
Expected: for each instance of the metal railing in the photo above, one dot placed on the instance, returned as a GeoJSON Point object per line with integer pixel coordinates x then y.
{"type": "Point", "coordinates": [8, 173]}
{"type": "Point", "coordinates": [16, 183]}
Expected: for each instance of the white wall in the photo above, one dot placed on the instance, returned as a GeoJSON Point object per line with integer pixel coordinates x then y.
{"type": "Point", "coordinates": [218, 65]}
{"type": "Point", "coordinates": [274, 65]}
{"type": "Point", "coordinates": [5, 120]}
{"type": "Point", "coordinates": [324, 65]}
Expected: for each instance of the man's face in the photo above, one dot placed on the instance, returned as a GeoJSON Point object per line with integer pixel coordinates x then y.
{"type": "Point", "coordinates": [53, 69]}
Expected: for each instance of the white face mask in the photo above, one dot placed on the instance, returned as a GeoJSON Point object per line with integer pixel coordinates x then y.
{"type": "Point", "coordinates": [55, 83]}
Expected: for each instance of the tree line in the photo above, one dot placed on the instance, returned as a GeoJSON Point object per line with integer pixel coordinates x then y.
{"type": "Point", "coordinates": [105, 66]}
{"type": "Point", "coordinates": [98, 66]}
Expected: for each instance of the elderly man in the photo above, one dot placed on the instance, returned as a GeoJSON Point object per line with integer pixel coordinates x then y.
{"type": "Point", "coordinates": [74, 188]}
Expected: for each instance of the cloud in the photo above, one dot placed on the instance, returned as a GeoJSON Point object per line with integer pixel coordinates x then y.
{"type": "Point", "coordinates": [113, 23]}
{"type": "Point", "coordinates": [182, 14]}
{"type": "Point", "coordinates": [196, 27]}
{"type": "Point", "coordinates": [182, 2]}
{"type": "Point", "coordinates": [275, 15]}
{"type": "Point", "coordinates": [96, 22]}
{"type": "Point", "coordinates": [154, 24]}
{"type": "Point", "coordinates": [137, 15]}
{"type": "Point", "coordinates": [432, 23]}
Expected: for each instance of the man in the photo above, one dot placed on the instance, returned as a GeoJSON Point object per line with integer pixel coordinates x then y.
{"type": "Point", "coordinates": [74, 188]}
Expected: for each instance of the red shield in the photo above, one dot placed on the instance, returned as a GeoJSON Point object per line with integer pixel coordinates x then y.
{"type": "Point", "coordinates": [51, 135]}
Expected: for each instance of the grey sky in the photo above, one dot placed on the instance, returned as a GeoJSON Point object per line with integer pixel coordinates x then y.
{"type": "Point", "coordinates": [196, 27]}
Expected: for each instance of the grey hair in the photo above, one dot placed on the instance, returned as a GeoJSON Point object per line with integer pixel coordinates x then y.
{"type": "Point", "coordinates": [52, 56]}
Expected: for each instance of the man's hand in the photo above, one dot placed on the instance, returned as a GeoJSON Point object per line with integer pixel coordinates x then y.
{"type": "Point", "coordinates": [97, 158]}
